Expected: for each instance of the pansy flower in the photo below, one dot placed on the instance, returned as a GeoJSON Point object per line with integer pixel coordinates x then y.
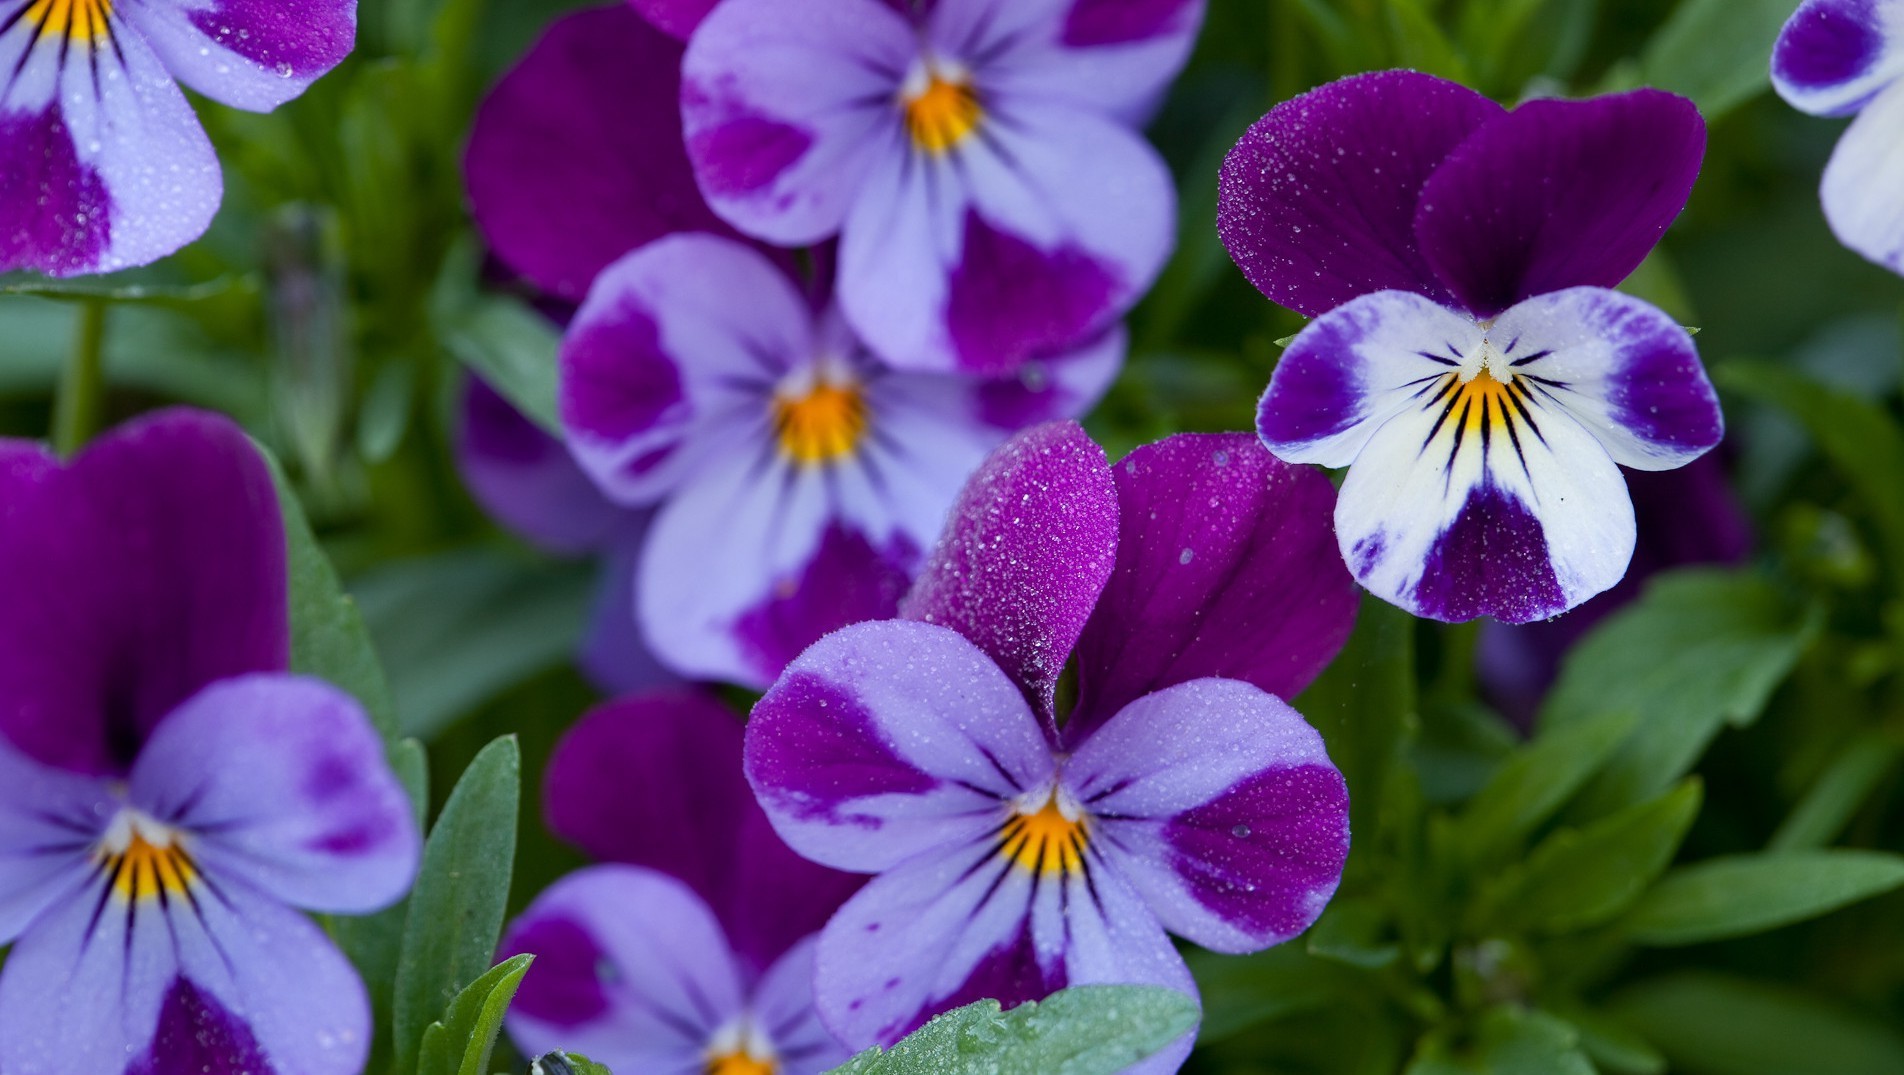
{"type": "Point", "coordinates": [693, 953]}
{"type": "Point", "coordinates": [1836, 58]}
{"type": "Point", "coordinates": [798, 480]}
{"type": "Point", "coordinates": [1468, 362]}
{"type": "Point", "coordinates": [102, 163]}
{"type": "Point", "coordinates": [169, 797]}
{"type": "Point", "coordinates": [975, 157]}
{"type": "Point", "coordinates": [1194, 585]}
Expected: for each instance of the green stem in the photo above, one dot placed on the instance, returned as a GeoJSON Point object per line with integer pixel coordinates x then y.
{"type": "Point", "coordinates": [82, 388]}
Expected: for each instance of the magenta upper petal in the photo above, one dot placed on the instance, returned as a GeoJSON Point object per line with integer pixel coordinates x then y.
{"type": "Point", "coordinates": [150, 566]}
{"type": "Point", "coordinates": [254, 54]}
{"type": "Point", "coordinates": [1317, 202]}
{"type": "Point", "coordinates": [525, 479]}
{"type": "Point", "coordinates": [1026, 552]}
{"type": "Point", "coordinates": [576, 156]}
{"type": "Point", "coordinates": [1559, 194]}
{"type": "Point", "coordinates": [1226, 566]}
{"type": "Point", "coordinates": [1834, 55]}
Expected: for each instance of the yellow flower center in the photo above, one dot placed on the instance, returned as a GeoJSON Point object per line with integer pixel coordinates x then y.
{"type": "Point", "coordinates": [942, 113]}
{"type": "Point", "coordinates": [821, 425]}
{"type": "Point", "coordinates": [144, 860]}
{"type": "Point", "coordinates": [78, 20]}
{"type": "Point", "coordinates": [740, 1063]}
{"type": "Point", "coordinates": [1047, 841]}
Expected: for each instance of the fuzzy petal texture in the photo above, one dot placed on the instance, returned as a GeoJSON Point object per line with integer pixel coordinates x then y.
{"type": "Point", "coordinates": [1226, 566]}
{"type": "Point", "coordinates": [1558, 194]}
{"type": "Point", "coordinates": [1835, 55]}
{"type": "Point", "coordinates": [283, 781]}
{"type": "Point", "coordinates": [252, 54]}
{"type": "Point", "coordinates": [889, 739]}
{"type": "Point", "coordinates": [525, 479]}
{"type": "Point", "coordinates": [1861, 184]}
{"type": "Point", "coordinates": [150, 566]}
{"type": "Point", "coordinates": [1026, 552]}
{"type": "Point", "coordinates": [1219, 804]}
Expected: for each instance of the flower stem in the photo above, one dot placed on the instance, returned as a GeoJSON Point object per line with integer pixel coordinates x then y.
{"type": "Point", "coordinates": [77, 408]}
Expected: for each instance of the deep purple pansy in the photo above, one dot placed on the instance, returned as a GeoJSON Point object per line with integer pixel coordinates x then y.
{"type": "Point", "coordinates": [1196, 584]}
{"type": "Point", "coordinates": [975, 157]}
{"type": "Point", "coordinates": [1468, 362]}
{"type": "Point", "coordinates": [694, 950]}
{"type": "Point", "coordinates": [168, 795]}
{"type": "Point", "coordinates": [1834, 58]}
{"type": "Point", "coordinates": [102, 163]}
{"type": "Point", "coordinates": [798, 480]}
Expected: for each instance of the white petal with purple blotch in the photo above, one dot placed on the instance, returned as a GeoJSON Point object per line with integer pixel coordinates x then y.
{"type": "Point", "coordinates": [1833, 56]}
{"type": "Point", "coordinates": [254, 54]}
{"type": "Point", "coordinates": [1863, 180]}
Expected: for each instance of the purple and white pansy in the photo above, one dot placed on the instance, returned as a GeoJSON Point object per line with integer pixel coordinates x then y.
{"type": "Point", "coordinates": [693, 953]}
{"type": "Point", "coordinates": [1195, 583]}
{"type": "Point", "coordinates": [103, 166]}
{"type": "Point", "coordinates": [1468, 362]}
{"type": "Point", "coordinates": [798, 480]}
{"type": "Point", "coordinates": [975, 157]}
{"type": "Point", "coordinates": [169, 797]}
{"type": "Point", "coordinates": [1836, 58]}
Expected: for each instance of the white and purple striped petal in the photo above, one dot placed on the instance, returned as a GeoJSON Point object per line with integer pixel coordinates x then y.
{"type": "Point", "coordinates": [253, 54]}
{"type": "Point", "coordinates": [1834, 56]}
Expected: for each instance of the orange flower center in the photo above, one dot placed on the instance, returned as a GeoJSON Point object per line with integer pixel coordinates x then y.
{"type": "Point", "coordinates": [821, 425]}
{"type": "Point", "coordinates": [740, 1063]}
{"type": "Point", "coordinates": [942, 114]}
{"type": "Point", "coordinates": [144, 860]}
{"type": "Point", "coordinates": [1047, 841]}
{"type": "Point", "coordinates": [77, 20]}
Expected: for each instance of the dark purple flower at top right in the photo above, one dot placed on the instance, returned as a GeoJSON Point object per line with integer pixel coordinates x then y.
{"type": "Point", "coordinates": [1468, 361]}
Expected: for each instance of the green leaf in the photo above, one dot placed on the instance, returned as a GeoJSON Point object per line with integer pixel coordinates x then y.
{"type": "Point", "coordinates": [1582, 877]}
{"type": "Point", "coordinates": [328, 637]}
{"type": "Point", "coordinates": [1717, 52]}
{"type": "Point", "coordinates": [373, 942]}
{"type": "Point", "coordinates": [1240, 992]}
{"type": "Point", "coordinates": [513, 348]}
{"type": "Point", "coordinates": [1420, 44]}
{"type": "Point", "coordinates": [1507, 1040]}
{"type": "Point", "coordinates": [560, 1063]}
{"type": "Point", "coordinates": [119, 289]}
{"type": "Point", "coordinates": [461, 1042]}
{"type": "Point", "coordinates": [1364, 705]}
{"type": "Point", "coordinates": [1838, 793]}
{"type": "Point", "coordinates": [1086, 1030]}
{"type": "Point", "coordinates": [1699, 649]}
{"type": "Point", "coordinates": [1739, 895]}
{"type": "Point", "coordinates": [1537, 780]}
{"type": "Point", "coordinates": [456, 908]}
{"type": "Point", "coordinates": [1711, 1023]}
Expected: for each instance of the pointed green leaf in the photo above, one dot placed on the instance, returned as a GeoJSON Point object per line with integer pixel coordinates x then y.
{"type": "Point", "coordinates": [1713, 1023]}
{"type": "Point", "coordinates": [461, 1042]}
{"type": "Point", "coordinates": [1582, 877]}
{"type": "Point", "coordinates": [373, 942]}
{"type": "Point", "coordinates": [1740, 895]}
{"type": "Point", "coordinates": [1717, 52]}
{"type": "Point", "coordinates": [1537, 780]}
{"type": "Point", "coordinates": [1087, 1030]}
{"type": "Point", "coordinates": [560, 1063]}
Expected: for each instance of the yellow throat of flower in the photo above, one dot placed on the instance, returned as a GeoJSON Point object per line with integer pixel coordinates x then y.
{"type": "Point", "coordinates": [143, 862]}
{"type": "Point", "coordinates": [1046, 841]}
{"type": "Point", "coordinates": [942, 113]}
{"type": "Point", "coordinates": [77, 20]}
{"type": "Point", "coordinates": [822, 424]}
{"type": "Point", "coordinates": [740, 1063]}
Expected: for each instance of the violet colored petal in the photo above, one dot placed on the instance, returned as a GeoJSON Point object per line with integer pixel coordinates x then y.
{"type": "Point", "coordinates": [150, 566]}
{"type": "Point", "coordinates": [284, 781]}
{"type": "Point", "coordinates": [83, 118]}
{"type": "Point", "coordinates": [1835, 55]}
{"type": "Point", "coordinates": [775, 897]}
{"type": "Point", "coordinates": [525, 479]}
{"type": "Point", "coordinates": [1026, 552]}
{"type": "Point", "coordinates": [1226, 566]}
{"type": "Point", "coordinates": [631, 970]}
{"type": "Point", "coordinates": [1220, 805]}
{"type": "Point", "coordinates": [786, 108]}
{"type": "Point", "coordinates": [252, 54]}
{"type": "Point", "coordinates": [674, 352]}
{"type": "Point", "coordinates": [42, 809]}
{"type": "Point", "coordinates": [576, 157]}
{"type": "Point", "coordinates": [197, 1035]}
{"type": "Point", "coordinates": [614, 655]}
{"type": "Point", "coordinates": [677, 17]}
{"type": "Point", "coordinates": [1559, 194]}
{"type": "Point", "coordinates": [1623, 369]}
{"type": "Point", "coordinates": [783, 1001]}
{"type": "Point", "coordinates": [1861, 184]}
{"type": "Point", "coordinates": [1066, 385]}
{"type": "Point", "coordinates": [1317, 201]}
{"type": "Point", "coordinates": [887, 739]}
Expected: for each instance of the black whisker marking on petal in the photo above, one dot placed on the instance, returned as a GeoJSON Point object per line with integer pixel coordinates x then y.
{"type": "Point", "coordinates": [71, 825]}
{"type": "Point", "coordinates": [1513, 435]}
{"type": "Point", "coordinates": [1460, 429]}
{"type": "Point", "coordinates": [1546, 382]}
{"type": "Point", "coordinates": [1453, 401]}
{"type": "Point", "coordinates": [99, 908]}
{"type": "Point", "coordinates": [1432, 357]}
{"type": "Point", "coordinates": [1516, 391]}
{"type": "Point", "coordinates": [1455, 351]}
{"type": "Point", "coordinates": [1511, 344]}
{"type": "Point", "coordinates": [8, 23]}
{"type": "Point", "coordinates": [1535, 357]}
{"type": "Point", "coordinates": [997, 767]}
{"type": "Point", "coordinates": [1112, 790]}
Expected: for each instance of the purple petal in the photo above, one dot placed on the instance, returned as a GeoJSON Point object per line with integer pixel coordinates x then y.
{"type": "Point", "coordinates": [1860, 189]}
{"type": "Point", "coordinates": [284, 781]}
{"type": "Point", "coordinates": [887, 739]}
{"type": "Point", "coordinates": [196, 1035]}
{"type": "Point", "coordinates": [784, 1001]}
{"type": "Point", "coordinates": [1226, 566]}
{"type": "Point", "coordinates": [1066, 385]}
{"type": "Point", "coordinates": [151, 566]}
{"type": "Point", "coordinates": [787, 107]}
{"type": "Point", "coordinates": [775, 897]}
{"type": "Point", "coordinates": [1026, 552]}
{"type": "Point", "coordinates": [576, 156]}
{"type": "Point", "coordinates": [526, 479]}
{"type": "Point", "coordinates": [1317, 201]}
{"type": "Point", "coordinates": [1559, 194]}
{"type": "Point", "coordinates": [847, 580]}
{"type": "Point", "coordinates": [252, 54]}
{"type": "Point", "coordinates": [43, 808]}
{"type": "Point", "coordinates": [84, 121]}
{"type": "Point", "coordinates": [1220, 805]}
{"type": "Point", "coordinates": [637, 975]}
{"type": "Point", "coordinates": [614, 656]}
{"type": "Point", "coordinates": [677, 17]}
{"type": "Point", "coordinates": [1835, 55]}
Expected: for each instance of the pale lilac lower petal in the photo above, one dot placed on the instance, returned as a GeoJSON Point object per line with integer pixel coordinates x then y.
{"type": "Point", "coordinates": [782, 1005]}
{"type": "Point", "coordinates": [1226, 566]}
{"type": "Point", "coordinates": [1220, 805]}
{"type": "Point", "coordinates": [631, 970]}
{"type": "Point", "coordinates": [615, 655]}
{"type": "Point", "coordinates": [525, 479]}
{"type": "Point", "coordinates": [49, 819]}
{"type": "Point", "coordinates": [253, 54]}
{"type": "Point", "coordinates": [1623, 368]}
{"type": "Point", "coordinates": [884, 740]}
{"type": "Point", "coordinates": [1833, 56]}
{"type": "Point", "coordinates": [1116, 57]}
{"type": "Point", "coordinates": [1861, 184]}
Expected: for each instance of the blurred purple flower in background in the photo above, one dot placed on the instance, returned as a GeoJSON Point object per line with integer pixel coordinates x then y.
{"type": "Point", "coordinates": [167, 793]}
{"type": "Point", "coordinates": [1835, 58]}
{"type": "Point", "coordinates": [976, 159]}
{"type": "Point", "coordinates": [1467, 362]}
{"type": "Point", "coordinates": [103, 166]}
{"type": "Point", "coordinates": [1196, 582]}
{"type": "Point", "coordinates": [694, 949]}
